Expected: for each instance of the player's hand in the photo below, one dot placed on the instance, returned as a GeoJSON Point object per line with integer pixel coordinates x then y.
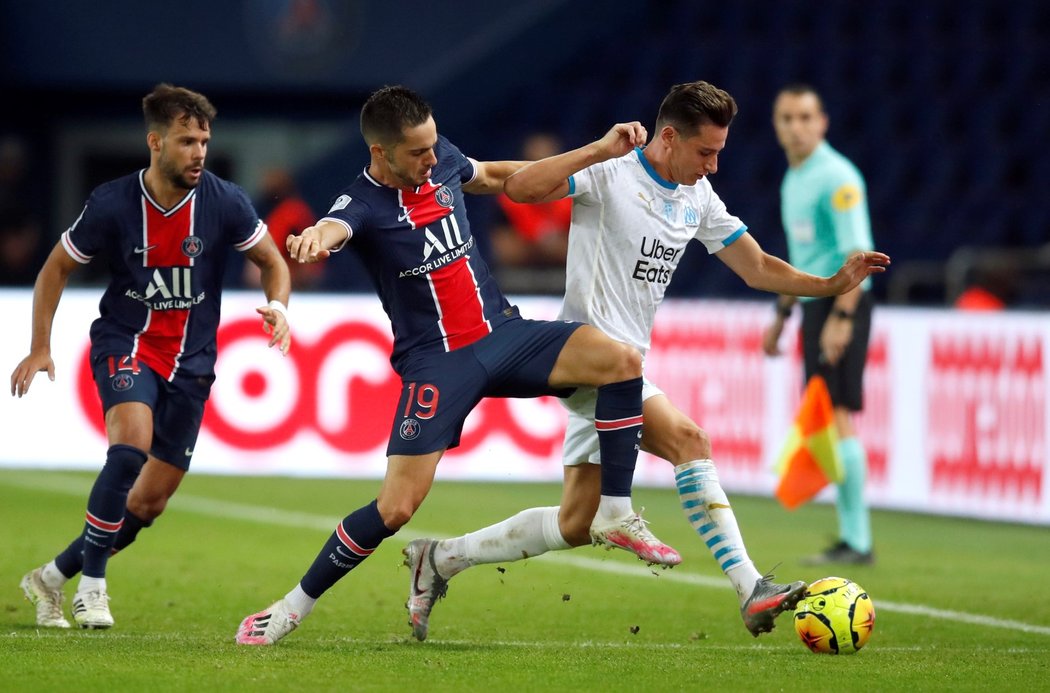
{"type": "Point", "coordinates": [621, 139]}
{"type": "Point", "coordinates": [275, 324]}
{"type": "Point", "coordinates": [771, 338]}
{"type": "Point", "coordinates": [834, 338]}
{"type": "Point", "coordinates": [306, 247]}
{"type": "Point", "coordinates": [858, 267]}
{"type": "Point", "coordinates": [36, 362]}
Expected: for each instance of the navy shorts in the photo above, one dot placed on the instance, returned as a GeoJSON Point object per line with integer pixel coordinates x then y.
{"type": "Point", "coordinates": [178, 406]}
{"type": "Point", "coordinates": [439, 390]}
{"type": "Point", "coordinates": [846, 378]}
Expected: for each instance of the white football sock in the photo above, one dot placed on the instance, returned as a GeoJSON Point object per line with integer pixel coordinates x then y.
{"type": "Point", "coordinates": [300, 602]}
{"type": "Point", "coordinates": [614, 508]}
{"type": "Point", "coordinates": [530, 533]}
{"type": "Point", "coordinates": [707, 509]}
{"type": "Point", "coordinates": [52, 577]}
{"type": "Point", "coordinates": [91, 584]}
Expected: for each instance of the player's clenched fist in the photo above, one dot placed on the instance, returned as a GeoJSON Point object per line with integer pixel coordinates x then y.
{"type": "Point", "coordinates": [622, 138]}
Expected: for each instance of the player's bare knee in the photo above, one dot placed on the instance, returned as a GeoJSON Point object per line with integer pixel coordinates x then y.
{"type": "Point", "coordinates": [625, 364]}
{"type": "Point", "coordinates": [147, 509]}
{"type": "Point", "coordinates": [696, 442]}
{"type": "Point", "coordinates": [396, 514]}
{"type": "Point", "coordinates": [687, 443]}
{"type": "Point", "coordinates": [575, 528]}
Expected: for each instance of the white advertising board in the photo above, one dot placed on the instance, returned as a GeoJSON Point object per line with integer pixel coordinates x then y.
{"type": "Point", "coordinates": [955, 418]}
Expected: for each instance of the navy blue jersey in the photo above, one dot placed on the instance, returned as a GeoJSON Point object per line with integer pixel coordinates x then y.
{"type": "Point", "coordinates": [165, 268]}
{"type": "Point", "coordinates": [417, 247]}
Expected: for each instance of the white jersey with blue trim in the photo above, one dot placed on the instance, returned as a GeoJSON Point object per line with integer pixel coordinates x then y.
{"type": "Point", "coordinates": [629, 230]}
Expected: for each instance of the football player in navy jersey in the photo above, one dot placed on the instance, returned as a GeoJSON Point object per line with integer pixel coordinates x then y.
{"type": "Point", "coordinates": [163, 233]}
{"type": "Point", "coordinates": [456, 341]}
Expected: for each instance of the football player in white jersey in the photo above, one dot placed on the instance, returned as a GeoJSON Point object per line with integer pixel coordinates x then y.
{"type": "Point", "coordinates": [634, 211]}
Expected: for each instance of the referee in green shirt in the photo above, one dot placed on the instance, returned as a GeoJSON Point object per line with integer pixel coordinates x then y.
{"type": "Point", "coordinates": [824, 209]}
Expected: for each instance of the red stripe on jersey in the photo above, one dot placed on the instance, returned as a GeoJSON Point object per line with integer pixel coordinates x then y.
{"type": "Point", "coordinates": [160, 342]}
{"type": "Point", "coordinates": [426, 204]}
{"type": "Point", "coordinates": [617, 424]}
{"type": "Point", "coordinates": [350, 543]}
{"type": "Point", "coordinates": [461, 315]}
{"type": "Point", "coordinates": [102, 524]}
{"type": "Point", "coordinates": [164, 234]}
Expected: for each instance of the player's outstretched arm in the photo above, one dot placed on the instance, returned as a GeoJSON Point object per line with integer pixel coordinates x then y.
{"type": "Point", "coordinates": [315, 243]}
{"type": "Point", "coordinates": [768, 273]}
{"type": "Point", "coordinates": [277, 284]}
{"type": "Point", "coordinates": [547, 179]}
{"type": "Point", "coordinates": [490, 176]}
{"type": "Point", "coordinates": [47, 292]}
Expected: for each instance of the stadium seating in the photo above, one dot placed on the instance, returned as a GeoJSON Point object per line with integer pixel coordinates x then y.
{"type": "Point", "coordinates": [943, 104]}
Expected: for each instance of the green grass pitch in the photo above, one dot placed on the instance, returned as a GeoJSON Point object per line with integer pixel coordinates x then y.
{"type": "Point", "coordinates": [960, 605]}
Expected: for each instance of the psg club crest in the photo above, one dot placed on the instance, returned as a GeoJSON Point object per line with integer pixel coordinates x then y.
{"type": "Point", "coordinates": [444, 196]}
{"type": "Point", "coordinates": [192, 246]}
{"type": "Point", "coordinates": [409, 429]}
{"type": "Point", "coordinates": [122, 382]}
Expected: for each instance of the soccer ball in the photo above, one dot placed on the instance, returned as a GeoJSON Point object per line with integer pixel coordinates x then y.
{"type": "Point", "coordinates": [835, 617]}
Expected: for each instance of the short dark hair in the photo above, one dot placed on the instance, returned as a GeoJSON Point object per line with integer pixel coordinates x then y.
{"type": "Point", "coordinates": [388, 111]}
{"type": "Point", "coordinates": [166, 104]}
{"type": "Point", "coordinates": [801, 89]}
{"type": "Point", "coordinates": [688, 106]}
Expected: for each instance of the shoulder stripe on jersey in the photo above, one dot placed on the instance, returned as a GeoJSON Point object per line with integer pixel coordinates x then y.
{"type": "Point", "coordinates": [349, 232]}
{"type": "Point", "coordinates": [73, 251]}
{"type": "Point", "coordinates": [253, 240]}
{"type": "Point", "coordinates": [736, 234]}
{"type": "Point", "coordinates": [474, 163]}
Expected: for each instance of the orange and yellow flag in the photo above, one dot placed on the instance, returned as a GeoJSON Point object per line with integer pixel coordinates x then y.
{"type": "Point", "coordinates": [810, 457]}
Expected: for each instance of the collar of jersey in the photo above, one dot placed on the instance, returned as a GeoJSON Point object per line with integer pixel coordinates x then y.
{"type": "Point", "coordinates": [652, 171]}
{"type": "Point", "coordinates": [818, 153]}
{"type": "Point", "coordinates": [372, 180]}
{"type": "Point", "coordinates": [156, 205]}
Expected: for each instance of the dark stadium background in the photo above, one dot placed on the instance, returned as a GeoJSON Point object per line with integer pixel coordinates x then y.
{"type": "Point", "coordinates": [943, 104]}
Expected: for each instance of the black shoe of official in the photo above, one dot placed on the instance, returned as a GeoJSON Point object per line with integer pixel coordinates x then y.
{"type": "Point", "coordinates": [840, 553]}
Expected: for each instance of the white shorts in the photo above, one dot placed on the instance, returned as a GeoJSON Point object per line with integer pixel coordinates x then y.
{"type": "Point", "coordinates": [581, 440]}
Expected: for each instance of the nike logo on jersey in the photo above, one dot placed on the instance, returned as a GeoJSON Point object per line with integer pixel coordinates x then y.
{"type": "Point", "coordinates": [402, 217]}
{"type": "Point", "coordinates": [142, 250]}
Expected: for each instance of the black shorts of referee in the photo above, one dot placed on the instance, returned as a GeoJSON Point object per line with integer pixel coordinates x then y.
{"type": "Point", "coordinates": [846, 378]}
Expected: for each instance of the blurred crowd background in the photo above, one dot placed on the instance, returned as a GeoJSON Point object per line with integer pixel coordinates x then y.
{"type": "Point", "coordinates": [944, 105]}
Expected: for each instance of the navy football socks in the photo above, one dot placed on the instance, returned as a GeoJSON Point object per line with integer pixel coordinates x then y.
{"type": "Point", "coordinates": [105, 508]}
{"type": "Point", "coordinates": [71, 561]}
{"type": "Point", "coordinates": [354, 540]}
{"type": "Point", "coordinates": [618, 420]}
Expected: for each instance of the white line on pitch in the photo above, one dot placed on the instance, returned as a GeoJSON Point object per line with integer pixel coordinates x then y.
{"type": "Point", "coordinates": [68, 485]}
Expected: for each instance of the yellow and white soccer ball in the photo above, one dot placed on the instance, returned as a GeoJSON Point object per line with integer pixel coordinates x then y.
{"type": "Point", "coordinates": [835, 617]}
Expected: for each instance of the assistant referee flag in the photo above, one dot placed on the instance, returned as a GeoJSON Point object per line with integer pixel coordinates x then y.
{"type": "Point", "coordinates": [810, 459]}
